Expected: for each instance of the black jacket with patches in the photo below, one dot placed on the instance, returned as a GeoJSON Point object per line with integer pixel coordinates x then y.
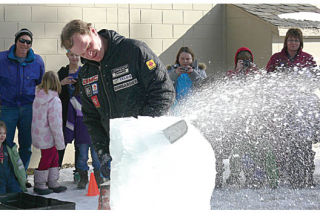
{"type": "Point", "coordinates": [129, 81]}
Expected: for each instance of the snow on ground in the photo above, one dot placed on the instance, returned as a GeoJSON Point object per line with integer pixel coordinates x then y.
{"type": "Point", "coordinates": [148, 172]}
{"type": "Point", "coordinates": [230, 198]}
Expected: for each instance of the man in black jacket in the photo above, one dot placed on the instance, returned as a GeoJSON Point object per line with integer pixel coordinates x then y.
{"type": "Point", "coordinates": [120, 77]}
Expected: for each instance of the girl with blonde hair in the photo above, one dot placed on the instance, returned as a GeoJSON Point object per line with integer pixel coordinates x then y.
{"type": "Point", "coordinates": [47, 134]}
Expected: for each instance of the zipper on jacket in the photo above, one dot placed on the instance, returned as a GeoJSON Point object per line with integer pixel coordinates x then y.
{"type": "Point", "coordinates": [105, 90]}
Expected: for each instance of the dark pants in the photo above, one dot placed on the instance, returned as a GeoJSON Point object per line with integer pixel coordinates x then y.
{"type": "Point", "coordinates": [82, 162]}
{"type": "Point", "coordinates": [61, 155]}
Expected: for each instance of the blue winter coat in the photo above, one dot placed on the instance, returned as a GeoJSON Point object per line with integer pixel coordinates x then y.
{"type": "Point", "coordinates": [18, 80]}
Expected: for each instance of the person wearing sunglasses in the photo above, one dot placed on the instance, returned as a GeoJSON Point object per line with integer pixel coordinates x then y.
{"type": "Point", "coordinates": [20, 71]}
{"type": "Point", "coordinates": [291, 55]}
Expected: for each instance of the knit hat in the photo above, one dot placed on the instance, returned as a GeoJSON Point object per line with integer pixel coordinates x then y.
{"type": "Point", "coordinates": [21, 33]}
{"type": "Point", "coordinates": [240, 50]}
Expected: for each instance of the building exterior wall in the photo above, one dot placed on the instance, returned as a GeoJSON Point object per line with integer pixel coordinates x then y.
{"type": "Point", "coordinates": [205, 36]}
{"type": "Point", "coordinates": [159, 25]}
{"type": "Point", "coordinates": [244, 29]}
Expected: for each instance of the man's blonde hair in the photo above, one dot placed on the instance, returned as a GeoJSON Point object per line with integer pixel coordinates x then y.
{"type": "Point", "coordinates": [73, 27]}
{"type": "Point", "coordinates": [50, 81]}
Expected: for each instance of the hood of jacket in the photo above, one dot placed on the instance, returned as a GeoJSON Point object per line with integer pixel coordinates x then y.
{"type": "Point", "coordinates": [113, 39]}
{"type": "Point", "coordinates": [42, 97]}
{"type": "Point", "coordinates": [240, 50]}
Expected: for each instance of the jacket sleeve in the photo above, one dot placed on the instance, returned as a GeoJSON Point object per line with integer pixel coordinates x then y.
{"type": "Point", "coordinates": [70, 124]}
{"type": "Point", "coordinates": [172, 74]}
{"type": "Point", "coordinates": [42, 69]}
{"type": "Point", "coordinates": [55, 122]}
{"type": "Point", "coordinates": [157, 83]}
{"type": "Point", "coordinates": [198, 75]}
{"type": "Point", "coordinates": [311, 62]}
{"type": "Point", "coordinates": [99, 133]}
{"type": "Point", "coordinates": [271, 66]}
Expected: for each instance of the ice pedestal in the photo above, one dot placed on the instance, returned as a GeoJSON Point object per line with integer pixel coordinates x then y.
{"type": "Point", "coordinates": [147, 172]}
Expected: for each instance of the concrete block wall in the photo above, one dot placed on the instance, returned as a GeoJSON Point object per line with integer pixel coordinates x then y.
{"type": "Point", "coordinates": [249, 31]}
{"type": "Point", "coordinates": [164, 27]}
{"type": "Point", "coordinates": [157, 24]}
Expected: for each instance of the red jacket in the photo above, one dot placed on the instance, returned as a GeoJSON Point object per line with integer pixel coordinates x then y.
{"type": "Point", "coordinates": [281, 59]}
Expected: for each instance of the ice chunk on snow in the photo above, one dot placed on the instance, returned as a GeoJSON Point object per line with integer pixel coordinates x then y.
{"type": "Point", "coordinates": [149, 173]}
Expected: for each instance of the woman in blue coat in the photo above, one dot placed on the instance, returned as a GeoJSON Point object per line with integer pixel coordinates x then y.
{"type": "Point", "coordinates": [186, 73]}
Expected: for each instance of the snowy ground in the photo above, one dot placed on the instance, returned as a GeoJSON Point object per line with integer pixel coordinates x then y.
{"type": "Point", "coordinates": [229, 198]}
{"type": "Point", "coordinates": [282, 198]}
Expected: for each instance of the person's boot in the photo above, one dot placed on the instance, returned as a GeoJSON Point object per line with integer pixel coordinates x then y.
{"type": "Point", "coordinates": [28, 184]}
{"type": "Point", "coordinates": [53, 180]}
{"type": "Point", "coordinates": [235, 169]}
{"type": "Point", "coordinates": [76, 176]}
{"type": "Point", "coordinates": [40, 182]}
{"type": "Point", "coordinates": [219, 172]}
{"type": "Point", "coordinates": [83, 179]}
{"type": "Point", "coordinates": [98, 177]}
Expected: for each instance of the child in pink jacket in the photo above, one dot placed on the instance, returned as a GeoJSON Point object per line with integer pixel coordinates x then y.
{"type": "Point", "coordinates": [47, 134]}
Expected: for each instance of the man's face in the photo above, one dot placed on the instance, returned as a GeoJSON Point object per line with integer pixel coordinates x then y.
{"type": "Point", "coordinates": [88, 46]}
{"type": "Point", "coordinates": [22, 46]}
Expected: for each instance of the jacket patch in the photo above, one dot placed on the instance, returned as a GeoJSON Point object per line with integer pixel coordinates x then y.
{"type": "Point", "coordinates": [88, 90]}
{"type": "Point", "coordinates": [125, 85]}
{"type": "Point", "coordinates": [122, 79]}
{"type": "Point", "coordinates": [95, 101]}
{"type": "Point", "coordinates": [120, 71]}
{"type": "Point", "coordinates": [92, 79]}
{"type": "Point", "coordinates": [94, 88]}
{"type": "Point", "coordinates": [151, 64]}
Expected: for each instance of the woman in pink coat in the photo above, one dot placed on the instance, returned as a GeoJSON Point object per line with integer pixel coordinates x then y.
{"type": "Point", "coordinates": [291, 55]}
{"type": "Point", "coordinates": [47, 134]}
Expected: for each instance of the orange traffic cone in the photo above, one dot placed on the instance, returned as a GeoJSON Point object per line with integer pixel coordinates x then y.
{"type": "Point", "coordinates": [93, 189]}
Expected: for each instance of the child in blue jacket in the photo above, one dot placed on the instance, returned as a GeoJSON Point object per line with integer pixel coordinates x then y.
{"type": "Point", "coordinates": [8, 181]}
{"type": "Point", "coordinates": [77, 131]}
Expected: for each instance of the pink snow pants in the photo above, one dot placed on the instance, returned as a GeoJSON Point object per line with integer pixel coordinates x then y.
{"type": "Point", "coordinates": [49, 158]}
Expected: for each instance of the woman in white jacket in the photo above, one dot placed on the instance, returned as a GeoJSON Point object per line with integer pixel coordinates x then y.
{"type": "Point", "coordinates": [47, 134]}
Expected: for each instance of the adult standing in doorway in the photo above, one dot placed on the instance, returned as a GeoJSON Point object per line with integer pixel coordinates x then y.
{"type": "Point", "coordinates": [20, 71]}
